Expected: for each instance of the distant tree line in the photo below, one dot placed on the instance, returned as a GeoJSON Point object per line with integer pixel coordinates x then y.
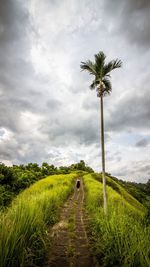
{"type": "Point", "coordinates": [16, 178]}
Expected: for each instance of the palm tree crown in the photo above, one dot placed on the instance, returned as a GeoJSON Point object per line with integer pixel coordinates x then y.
{"type": "Point", "coordinates": [101, 71]}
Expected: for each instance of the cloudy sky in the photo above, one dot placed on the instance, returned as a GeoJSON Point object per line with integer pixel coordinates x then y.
{"type": "Point", "coordinates": [47, 112]}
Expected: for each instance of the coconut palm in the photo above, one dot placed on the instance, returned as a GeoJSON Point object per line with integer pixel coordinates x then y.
{"type": "Point", "coordinates": [101, 72]}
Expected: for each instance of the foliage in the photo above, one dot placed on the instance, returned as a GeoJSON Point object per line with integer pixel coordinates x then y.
{"type": "Point", "coordinates": [23, 227]}
{"type": "Point", "coordinates": [122, 237]}
{"type": "Point", "coordinates": [15, 179]}
{"type": "Point", "coordinates": [140, 191]}
{"type": "Point", "coordinates": [81, 166]}
{"type": "Point", "coordinates": [101, 72]}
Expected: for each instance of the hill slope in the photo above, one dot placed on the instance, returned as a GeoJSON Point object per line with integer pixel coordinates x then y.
{"type": "Point", "coordinates": [122, 237]}
{"type": "Point", "coordinates": [119, 239]}
{"type": "Point", "coordinates": [23, 227]}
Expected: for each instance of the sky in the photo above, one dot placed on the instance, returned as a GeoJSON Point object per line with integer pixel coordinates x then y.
{"type": "Point", "coordinates": [47, 111]}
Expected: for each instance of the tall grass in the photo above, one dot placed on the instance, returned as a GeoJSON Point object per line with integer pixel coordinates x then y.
{"type": "Point", "coordinates": [23, 227]}
{"type": "Point", "coordinates": [121, 238]}
{"type": "Point", "coordinates": [121, 190]}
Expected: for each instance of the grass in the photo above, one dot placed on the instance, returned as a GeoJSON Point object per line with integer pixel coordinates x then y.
{"type": "Point", "coordinates": [121, 190]}
{"type": "Point", "coordinates": [121, 238]}
{"type": "Point", "coordinates": [24, 226]}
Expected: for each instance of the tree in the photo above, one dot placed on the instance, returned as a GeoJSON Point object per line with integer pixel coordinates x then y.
{"type": "Point", "coordinates": [81, 165]}
{"type": "Point", "coordinates": [101, 72]}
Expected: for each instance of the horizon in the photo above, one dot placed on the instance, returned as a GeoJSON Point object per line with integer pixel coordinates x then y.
{"type": "Point", "coordinates": [48, 113]}
{"type": "Point", "coordinates": [58, 166]}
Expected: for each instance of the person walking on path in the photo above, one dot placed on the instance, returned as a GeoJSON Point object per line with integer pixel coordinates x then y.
{"type": "Point", "coordinates": [78, 184]}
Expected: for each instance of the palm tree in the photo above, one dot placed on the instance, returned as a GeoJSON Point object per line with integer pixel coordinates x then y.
{"type": "Point", "coordinates": [101, 72]}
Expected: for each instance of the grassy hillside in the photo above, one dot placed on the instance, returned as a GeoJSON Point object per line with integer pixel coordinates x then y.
{"type": "Point", "coordinates": [139, 191]}
{"type": "Point", "coordinates": [121, 238]}
{"type": "Point", "coordinates": [15, 179]}
{"type": "Point", "coordinates": [114, 184]}
{"type": "Point", "coordinates": [23, 227]}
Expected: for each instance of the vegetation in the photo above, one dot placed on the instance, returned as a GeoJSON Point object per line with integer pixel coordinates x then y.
{"type": "Point", "coordinates": [23, 227]}
{"type": "Point", "coordinates": [121, 239]}
{"type": "Point", "coordinates": [140, 191]}
{"type": "Point", "coordinates": [122, 190]}
{"type": "Point", "coordinates": [131, 191]}
{"type": "Point", "coordinates": [15, 179]}
{"type": "Point", "coordinates": [101, 72]}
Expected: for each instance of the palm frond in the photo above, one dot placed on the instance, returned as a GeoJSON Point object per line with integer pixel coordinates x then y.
{"type": "Point", "coordinates": [108, 76]}
{"type": "Point", "coordinates": [107, 85]}
{"type": "Point", "coordinates": [88, 66]}
{"type": "Point", "coordinates": [100, 59]}
{"type": "Point", "coordinates": [113, 64]}
{"type": "Point", "coordinates": [99, 63]}
{"type": "Point", "coordinates": [94, 84]}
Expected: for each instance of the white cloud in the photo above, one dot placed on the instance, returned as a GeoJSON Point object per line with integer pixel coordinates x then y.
{"type": "Point", "coordinates": [5, 135]}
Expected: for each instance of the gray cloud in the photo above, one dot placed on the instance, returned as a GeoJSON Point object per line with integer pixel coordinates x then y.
{"type": "Point", "coordinates": [137, 170]}
{"type": "Point", "coordinates": [131, 112]}
{"type": "Point", "coordinates": [73, 129]}
{"type": "Point", "coordinates": [142, 143]}
{"type": "Point", "coordinates": [54, 104]}
{"type": "Point", "coordinates": [47, 111]}
{"type": "Point", "coordinates": [145, 169]}
{"type": "Point", "coordinates": [133, 17]}
{"type": "Point", "coordinates": [92, 104]}
{"type": "Point", "coordinates": [15, 69]}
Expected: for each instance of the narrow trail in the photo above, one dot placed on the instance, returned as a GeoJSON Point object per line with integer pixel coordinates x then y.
{"type": "Point", "coordinates": [70, 246]}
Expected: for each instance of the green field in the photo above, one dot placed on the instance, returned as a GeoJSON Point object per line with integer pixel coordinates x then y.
{"type": "Point", "coordinates": [122, 238]}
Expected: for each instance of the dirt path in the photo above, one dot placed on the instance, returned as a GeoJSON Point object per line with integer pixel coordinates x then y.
{"type": "Point", "coordinates": [70, 247]}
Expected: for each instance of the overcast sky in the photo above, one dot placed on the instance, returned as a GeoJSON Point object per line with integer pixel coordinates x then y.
{"type": "Point", "coordinates": [47, 111]}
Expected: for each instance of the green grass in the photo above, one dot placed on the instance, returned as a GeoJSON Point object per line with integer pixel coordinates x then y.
{"type": "Point", "coordinates": [121, 238]}
{"type": "Point", "coordinates": [121, 190]}
{"type": "Point", "coordinates": [24, 226]}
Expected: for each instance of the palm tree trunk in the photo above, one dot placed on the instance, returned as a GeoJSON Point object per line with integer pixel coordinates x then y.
{"type": "Point", "coordinates": [103, 155]}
